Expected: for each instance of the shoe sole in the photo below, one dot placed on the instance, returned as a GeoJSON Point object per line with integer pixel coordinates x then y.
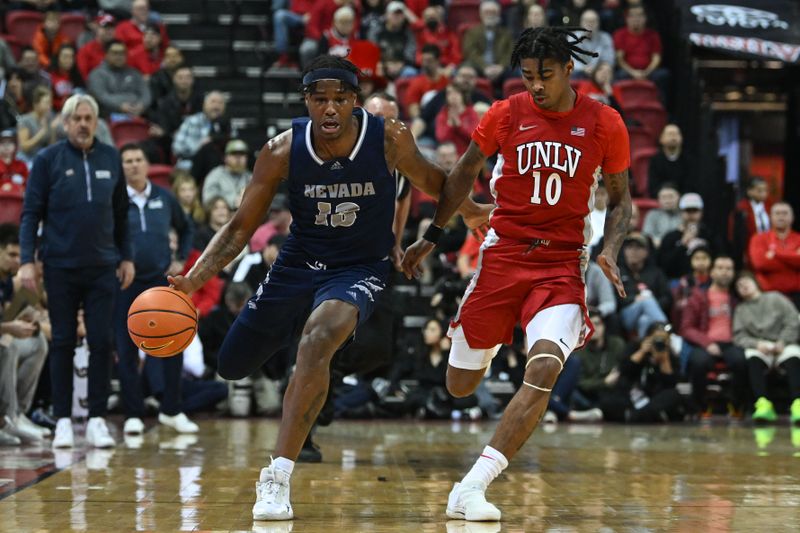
{"type": "Point", "coordinates": [459, 515]}
{"type": "Point", "coordinates": [273, 518]}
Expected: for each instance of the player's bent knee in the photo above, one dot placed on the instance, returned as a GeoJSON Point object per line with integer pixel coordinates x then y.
{"type": "Point", "coordinates": [461, 382]}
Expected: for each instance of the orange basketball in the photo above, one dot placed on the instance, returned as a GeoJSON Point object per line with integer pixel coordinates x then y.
{"type": "Point", "coordinates": [162, 321]}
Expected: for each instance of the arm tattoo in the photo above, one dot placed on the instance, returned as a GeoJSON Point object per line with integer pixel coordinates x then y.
{"type": "Point", "coordinates": [619, 211]}
{"type": "Point", "coordinates": [459, 183]}
{"type": "Point", "coordinates": [222, 249]}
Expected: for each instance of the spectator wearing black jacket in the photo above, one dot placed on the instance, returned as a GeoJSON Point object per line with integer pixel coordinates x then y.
{"type": "Point", "coordinates": [671, 164]}
{"type": "Point", "coordinates": [152, 213]}
{"type": "Point", "coordinates": [645, 389]}
{"type": "Point", "coordinates": [647, 294]}
{"type": "Point", "coordinates": [77, 189]}
{"type": "Point", "coordinates": [674, 254]}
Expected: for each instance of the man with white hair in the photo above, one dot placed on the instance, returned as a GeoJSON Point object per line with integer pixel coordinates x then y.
{"type": "Point", "coordinates": [77, 190]}
{"type": "Point", "coordinates": [198, 129]}
{"type": "Point", "coordinates": [488, 45]}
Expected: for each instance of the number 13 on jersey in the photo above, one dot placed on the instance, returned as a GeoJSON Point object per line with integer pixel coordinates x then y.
{"type": "Point", "coordinates": [552, 188]}
{"type": "Point", "coordinates": [344, 215]}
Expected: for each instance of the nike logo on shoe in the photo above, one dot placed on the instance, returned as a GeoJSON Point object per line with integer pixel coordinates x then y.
{"type": "Point", "coordinates": [526, 128]}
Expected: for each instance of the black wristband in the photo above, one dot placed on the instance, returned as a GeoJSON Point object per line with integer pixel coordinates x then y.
{"type": "Point", "coordinates": [433, 233]}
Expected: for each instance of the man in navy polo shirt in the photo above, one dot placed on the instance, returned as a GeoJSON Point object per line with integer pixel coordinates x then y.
{"type": "Point", "coordinates": [152, 213]}
{"type": "Point", "coordinates": [77, 190]}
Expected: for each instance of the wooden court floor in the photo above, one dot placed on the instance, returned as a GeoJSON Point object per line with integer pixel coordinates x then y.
{"type": "Point", "coordinates": [395, 477]}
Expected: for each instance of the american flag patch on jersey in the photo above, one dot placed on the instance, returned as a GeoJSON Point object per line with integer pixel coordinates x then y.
{"type": "Point", "coordinates": [578, 132]}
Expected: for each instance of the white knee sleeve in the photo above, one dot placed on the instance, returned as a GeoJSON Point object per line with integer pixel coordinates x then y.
{"type": "Point", "coordinates": [466, 358]}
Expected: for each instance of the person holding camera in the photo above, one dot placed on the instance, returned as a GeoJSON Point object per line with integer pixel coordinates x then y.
{"type": "Point", "coordinates": [674, 254]}
{"type": "Point", "coordinates": [645, 387]}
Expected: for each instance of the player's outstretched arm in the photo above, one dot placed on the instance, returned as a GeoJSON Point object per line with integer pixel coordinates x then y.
{"type": "Point", "coordinates": [616, 226]}
{"type": "Point", "coordinates": [271, 167]}
{"type": "Point", "coordinates": [456, 189]}
{"type": "Point", "coordinates": [429, 177]}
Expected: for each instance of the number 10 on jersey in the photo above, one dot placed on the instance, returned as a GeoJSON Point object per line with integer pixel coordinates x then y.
{"type": "Point", "coordinates": [552, 188]}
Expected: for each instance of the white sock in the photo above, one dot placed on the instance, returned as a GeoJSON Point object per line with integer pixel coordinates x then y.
{"type": "Point", "coordinates": [284, 464]}
{"type": "Point", "coordinates": [486, 468]}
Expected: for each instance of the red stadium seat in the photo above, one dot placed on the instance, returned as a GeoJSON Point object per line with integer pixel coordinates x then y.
{"type": "Point", "coordinates": [130, 131]}
{"type": "Point", "coordinates": [513, 86]}
{"type": "Point", "coordinates": [485, 86]}
{"type": "Point", "coordinates": [636, 92]}
{"type": "Point", "coordinates": [14, 44]}
{"type": "Point", "coordinates": [72, 25]}
{"type": "Point", "coordinates": [10, 206]}
{"type": "Point", "coordinates": [23, 24]}
{"type": "Point", "coordinates": [640, 162]}
{"type": "Point", "coordinates": [463, 12]}
{"type": "Point", "coordinates": [644, 205]}
{"type": "Point", "coordinates": [650, 115]}
{"type": "Point", "coordinates": [640, 138]}
{"type": "Point", "coordinates": [160, 175]}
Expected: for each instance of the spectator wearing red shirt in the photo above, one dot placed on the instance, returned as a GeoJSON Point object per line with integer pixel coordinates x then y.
{"type": "Point", "coordinates": [147, 57]}
{"type": "Point", "coordinates": [131, 32]}
{"type": "Point", "coordinates": [751, 216]}
{"type": "Point", "coordinates": [707, 323]}
{"type": "Point", "coordinates": [432, 30]}
{"type": "Point", "coordinates": [64, 75]}
{"type": "Point", "coordinates": [283, 21]}
{"type": "Point", "coordinates": [13, 172]}
{"type": "Point", "coordinates": [320, 19]}
{"type": "Point", "coordinates": [337, 40]}
{"type": "Point", "coordinates": [432, 78]}
{"type": "Point", "coordinates": [457, 119]}
{"type": "Point", "coordinates": [600, 86]}
{"type": "Point", "coordinates": [93, 53]}
{"type": "Point", "coordinates": [639, 51]}
{"type": "Point", "coordinates": [48, 38]}
{"type": "Point", "coordinates": [775, 254]}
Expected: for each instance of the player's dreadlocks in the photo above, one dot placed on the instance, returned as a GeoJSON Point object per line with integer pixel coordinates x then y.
{"type": "Point", "coordinates": [332, 62]}
{"type": "Point", "coordinates": [559, 43]}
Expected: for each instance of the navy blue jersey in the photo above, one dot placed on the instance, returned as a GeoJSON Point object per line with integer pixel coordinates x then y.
{"type": "Point", "coordinates": [342, 209]}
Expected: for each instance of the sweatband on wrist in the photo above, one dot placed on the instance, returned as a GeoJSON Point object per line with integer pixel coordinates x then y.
{"type": "Point", "coordinates": [433, 233]}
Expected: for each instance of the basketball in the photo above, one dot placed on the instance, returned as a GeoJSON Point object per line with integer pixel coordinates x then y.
{"type": "Point", "coordinates": [162, 321]}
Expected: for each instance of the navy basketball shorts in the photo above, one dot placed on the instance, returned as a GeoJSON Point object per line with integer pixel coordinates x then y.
{"type": "Point", "coordinates": [289, 294]}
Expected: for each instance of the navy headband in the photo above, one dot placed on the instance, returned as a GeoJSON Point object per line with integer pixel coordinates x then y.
{"type": "Point", "coordinates": [330, 74]}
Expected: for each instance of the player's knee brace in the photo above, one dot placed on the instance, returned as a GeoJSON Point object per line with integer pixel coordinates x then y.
{"type": "Point", "coordinates": [542, 356]}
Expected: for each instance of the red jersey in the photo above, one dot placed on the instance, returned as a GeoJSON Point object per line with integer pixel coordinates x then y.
{"type": "Point", "coordinates": [548, 164]}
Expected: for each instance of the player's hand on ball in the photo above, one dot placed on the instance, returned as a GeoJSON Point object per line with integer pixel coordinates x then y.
{"type": "Point", "coordinates": [182, 283]}
{"type": "Point", "coordinates": [414, 256]}
{"type": "Point", "coordinates": [611, 270]}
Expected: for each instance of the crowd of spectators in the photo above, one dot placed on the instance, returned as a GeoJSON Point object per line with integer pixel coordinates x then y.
{"type": "Point", "coordinates": [710, 314]}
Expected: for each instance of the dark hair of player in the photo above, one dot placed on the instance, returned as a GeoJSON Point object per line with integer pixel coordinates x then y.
{"type": "Point", "coordinates": [559, 43]}
{"type": "Point", "coordinates": [332, 62]}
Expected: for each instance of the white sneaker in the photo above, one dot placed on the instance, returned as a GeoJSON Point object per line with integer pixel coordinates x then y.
{"type": "Point", "coordinates": [272, 495]}
{"type": "Point", "coordinates": [469, 503]}
{"type": "Point", "coordinates": [550, 418]}
{"type": "Point", "coordinates": [589, 415]}
{"type": "Point", "coordinates": [24, 421]}
{"type": "Point", "coordinates": [7, 439]}
{"type": "Point", "coordinates": [64, 437]}
{"type": "Point", "coordinates": [133, 426]}
{"type": "Point", "coordinates": [97, 434]}
{"type": "Point", "coordinates": [179, 423]}
{"type": "Point", "coordinates": [23, 433]}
